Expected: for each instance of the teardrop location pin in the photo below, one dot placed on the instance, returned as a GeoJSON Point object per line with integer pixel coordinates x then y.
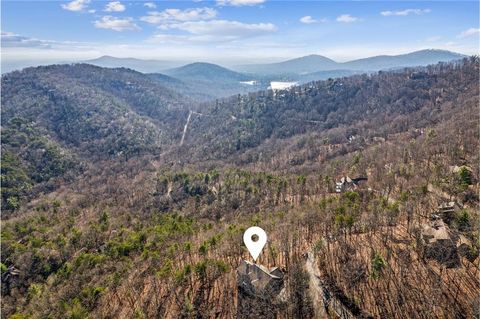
{"type": "Point", "coordinates": [255, 247]}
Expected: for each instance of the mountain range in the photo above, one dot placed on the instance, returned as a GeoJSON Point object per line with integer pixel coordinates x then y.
{"type": "Point", "coordinates": [206, 81]}
{"type": "Point", "coordinates": [299, 66]}
{"type": "Point", "coordinates": [214, 81]}
{"type": "Point", "coordinates": [144, 66]}
{"type": "Point", "coordinates": [124, 198]}
{"type": "Point", "coordinates": [316, 63]}
{"type": "Point", "coordinates": [202, 81]}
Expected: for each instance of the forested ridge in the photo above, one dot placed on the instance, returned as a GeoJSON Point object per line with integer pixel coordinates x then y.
{"type": "Point", "coordinates": [61, 116]}
{"type": "Point", "coordinates": [361, 106]}
{"type": "Point", "coordinates": [106, 215]}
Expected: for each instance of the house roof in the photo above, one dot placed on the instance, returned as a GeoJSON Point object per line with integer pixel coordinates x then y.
{"type": "Point", "coordinates": [435, 230]}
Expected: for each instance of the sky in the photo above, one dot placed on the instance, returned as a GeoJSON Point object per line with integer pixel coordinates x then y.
{"type": "Point", "coordinates": [232, 31]}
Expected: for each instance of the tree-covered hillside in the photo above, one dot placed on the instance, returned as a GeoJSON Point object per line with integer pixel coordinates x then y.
{"type": "Point", "coordinates": [56, 117]}
{"type": "Point", "coordinates": [106, 214]}
{"type": "Point", "coordinates": [337, 111]}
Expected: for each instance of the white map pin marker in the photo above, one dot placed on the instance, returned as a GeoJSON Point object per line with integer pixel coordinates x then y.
{"type": "Point", "coordinates": [255, 247]}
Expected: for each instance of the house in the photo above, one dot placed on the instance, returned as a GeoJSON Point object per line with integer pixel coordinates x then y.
{"type": "Point", "coordinates": [448, 210]}
{"type": "Point", "coordinates": [260, 291]}
{"type": "Point", "coordinates": [448, 207]}
{"type": "Point", "coordinates": [347, 183]}
{"type": "Point", "coordinates": [9, 279]}
{"type": "Point", "coordinates": [259, 280]}
{"type": "Point", "coordinates": [439, 243]}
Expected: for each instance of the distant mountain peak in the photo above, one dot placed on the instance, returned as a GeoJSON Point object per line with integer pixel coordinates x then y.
{"type": "Point", "coordinates": [318, 63]}
{"type": "Point", "coordinates": [205, 70]}
{"type": "Point", "coordinates": [313, 56]}
{"type": "Point", "coordinates": [203, 63]}
{"type": "Point", "coordinates": [144, 66]}
{"type": "Point", "coordinates": [305, 64]}
{"type": "Point", "coordinates": [106, 57]}
{"type": "Point", "coordinates": [416, 58]}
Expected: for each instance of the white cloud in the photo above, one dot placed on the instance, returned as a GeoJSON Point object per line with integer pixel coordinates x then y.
{"type": "Point", "coordinates": [114, 6]}
{"type": "Point", "coordinates": [76, 5]}
{"type": "Point", "coordinates": [177, 15]}
{"type": "Point", "coordinates": [150, 5]}
{"type": "Point", "coordinates": [13, 40]}
{"type": "Point", "coordinates": [92, 11]}
{"type": "Point", "coordinates": [469, 32]}
{"type": "Point", "coordinates": [116, 24]}
{"type": "Point", "coordinates": [212, 31]}
{"type": "Point", "coordinates": [434, 38]}
{"type": "Point", "coordinates": [170, 38]}
{"type": "Point", "coordinates": [188, 39]}
{"type": "Point", "coordinates": [346, 18]}
{"type": "Point", "coordinates": [224, 27]}
{"type": "Point", "coordinates": [239, 3]}
{"type": "Point", "coordinates": [307, 20]}
{"type": "Point", "coordinates": [28, 51]}
{"type": "Point", "coordinates": [405, 12]}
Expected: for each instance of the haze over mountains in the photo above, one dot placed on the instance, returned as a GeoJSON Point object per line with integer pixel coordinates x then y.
{"type": "Point", "coordinates": [316, 63]}
{"type": "Point", "coordinates": [203, 81]}
{"type": "Point", "coordinates": [307, 64]}
{"type": "Point", "coordinates": [144, 66]}
{"type": "Point", "coordinates": [83, 111]}
{"type": "Point", "coordinates": [206, 81]}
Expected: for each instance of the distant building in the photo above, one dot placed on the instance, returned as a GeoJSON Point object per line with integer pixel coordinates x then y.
{"type": "Point", "coordinates": [9, 279]}
{"type": "Point", "coordinates": [439, 243]}
{"type": "Point", "coordinates": [447, 210]}
{"type": "Point", "coordinates": [347, 183]}
{"type": "Point", "coordinates": [443, 244]}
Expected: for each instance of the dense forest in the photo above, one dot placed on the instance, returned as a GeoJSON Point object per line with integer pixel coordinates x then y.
{"type": "Point", "coordinates": [122, 198]}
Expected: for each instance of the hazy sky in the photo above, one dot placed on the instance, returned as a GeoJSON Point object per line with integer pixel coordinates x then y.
{"type": "Point", "coordinates": [233, 31]}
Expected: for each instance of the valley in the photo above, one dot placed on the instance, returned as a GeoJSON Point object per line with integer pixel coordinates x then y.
{"type": "Point", "coordinates": [124, 197]}
{"type": "Point", "coordinates": [239, 159]}
{"type": "Point", "coordinates": [195, 79]}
